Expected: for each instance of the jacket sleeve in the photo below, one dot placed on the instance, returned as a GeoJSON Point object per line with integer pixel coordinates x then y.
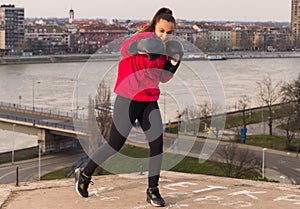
{"type": "Point", "coordinates": [165, 77]}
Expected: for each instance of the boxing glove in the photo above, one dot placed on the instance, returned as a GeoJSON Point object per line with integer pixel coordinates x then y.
{"type": "Point", "coordinates": [153, 47]}
{"type": "Point", "coordinates": [174, 50]}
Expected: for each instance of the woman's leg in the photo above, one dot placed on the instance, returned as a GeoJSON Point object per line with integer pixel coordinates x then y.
{"type": "Point", "coordinates": [151, 124]}
{"type": "Point", "coordinates": [121, 126]}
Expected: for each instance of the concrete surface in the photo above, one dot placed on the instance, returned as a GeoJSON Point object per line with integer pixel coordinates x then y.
{"type": "Point", "coordinates": [128, 191]}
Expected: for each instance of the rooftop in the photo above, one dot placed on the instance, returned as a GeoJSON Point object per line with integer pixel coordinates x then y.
{"type": "Point", "coordinates": [179, 190]}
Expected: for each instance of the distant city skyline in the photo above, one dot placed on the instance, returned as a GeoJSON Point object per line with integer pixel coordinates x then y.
{"type": "Point", "coordinates": [212, 10]}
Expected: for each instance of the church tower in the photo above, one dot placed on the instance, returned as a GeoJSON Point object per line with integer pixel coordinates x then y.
{"type": "Point", "coordinates": [71, 16]}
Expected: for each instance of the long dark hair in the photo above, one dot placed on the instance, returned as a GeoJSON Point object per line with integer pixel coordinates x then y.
{"type": "Point", "coordinates": [163, 13]}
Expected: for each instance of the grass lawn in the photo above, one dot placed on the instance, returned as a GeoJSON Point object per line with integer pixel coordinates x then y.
{"type": "Point", "coordinates": [134, 159]}
{"type": "Point", "coordinates": [271, 142]}
{"type": "Point", "coordinates": [266, 141]}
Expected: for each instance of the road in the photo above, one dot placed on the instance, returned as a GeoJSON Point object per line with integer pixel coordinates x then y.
{"type": "Point", "coordinates": [286, 167]}
{"type": "Point", "coordinates": [28, 170]}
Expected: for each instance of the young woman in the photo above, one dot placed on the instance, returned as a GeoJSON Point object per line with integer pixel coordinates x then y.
{"type": "Point", "coordinates": [149, 57]}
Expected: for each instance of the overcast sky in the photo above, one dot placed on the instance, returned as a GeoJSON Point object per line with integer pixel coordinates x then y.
{"type": "Point", "coordinates": [210, 10]}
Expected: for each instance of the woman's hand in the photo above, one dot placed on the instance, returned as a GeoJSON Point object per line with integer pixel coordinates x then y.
{"type": "Point", "coordinates": [153, 47]}
{"type": "Point", "coordinates": [174, 50]}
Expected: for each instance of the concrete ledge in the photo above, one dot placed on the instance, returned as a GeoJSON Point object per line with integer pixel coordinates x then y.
{"type": "Point", "coordinates": [128, 191]}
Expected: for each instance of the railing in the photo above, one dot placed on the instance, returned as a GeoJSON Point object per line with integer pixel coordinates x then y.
{"type": "Point", "coordinates": [38, 110]}
{"type": "Point", "coordinates": [44, 122]}
{"type": "Point", "coordinates": [34, 121]}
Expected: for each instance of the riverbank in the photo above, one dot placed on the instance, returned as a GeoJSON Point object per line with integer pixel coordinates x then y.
{"type": "Point", "coordinates": [257, 55]}
{"type": "Point", "coordinates": [115, 57]}
{"type": "Point", "coordinates": [57, 59]}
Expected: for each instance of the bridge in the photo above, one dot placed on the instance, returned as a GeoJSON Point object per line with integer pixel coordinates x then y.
{"type": "Point", "coordinates": [54, 129]}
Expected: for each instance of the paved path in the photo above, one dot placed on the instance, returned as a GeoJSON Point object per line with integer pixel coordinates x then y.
{"type": "Point", "coordinates": [128, 191]}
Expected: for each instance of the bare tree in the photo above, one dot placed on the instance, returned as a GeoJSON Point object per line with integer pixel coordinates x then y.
{"type": "Point", "coordinates": [204, 112]}
{"type": "Point", "coordinates": [269, 93]}
{"type": "Point", "coordinates": [100, 118]}
{"type": "Point", "coordinates": [203, 43]}
{"type": "Point", "coordinates": [291, 94]}
{"type": "Point", "coordinates": [213, 116]}
{"type": "Point", "coordinates": [238, 163]}
{"type": "Point", "coordinates": [94, 138]}
{"type": "Point", "coordinates": [104, 108]}
{"type": "Point", "coordinates": [243, 103]}
{"type": "Point", "coordinates": [222, 45]}
{"type": "Point", "coordinates": [194, 115]}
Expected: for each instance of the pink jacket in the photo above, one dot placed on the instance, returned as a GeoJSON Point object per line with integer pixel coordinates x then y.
{"type": "Point", "coordinates": [138, 77]}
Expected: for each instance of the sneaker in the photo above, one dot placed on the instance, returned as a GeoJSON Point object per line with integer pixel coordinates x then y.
{"type": "Point", "coordinates": [82, 183]}
{"type": "Point", "coordinates": [154, 198]}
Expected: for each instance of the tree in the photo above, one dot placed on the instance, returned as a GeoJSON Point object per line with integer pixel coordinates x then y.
{"type": "Point", "coordinates": [204, 113]}
{"type": "Point", "coordinates": [213, 115]}
{"type": "Point", "coordinates": [104, 107]}
{"type": "Point", "coordinates": [203, 42]}
{"type": "Point", "coordinates": [291, 94]}
{"type": "Point", "coordinates": [102, 116]}
{"type": "Point", "coordinates": [238, 163]}
{"type": "Point", "coordinates": [222, 45]}
{"type": "Point", "coordinates": [243, 103]}
{"type": "Point", "coordinates": [205, 110]}
{"type": "Point", "coordinates": [269, 93]}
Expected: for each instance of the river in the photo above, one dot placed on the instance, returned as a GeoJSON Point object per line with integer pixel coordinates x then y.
{"type": "Point", "coordinates": [52, 85]}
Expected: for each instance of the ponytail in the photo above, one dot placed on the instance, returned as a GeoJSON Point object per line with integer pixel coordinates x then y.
{"type": "Point", "coordinates": [163, 13]}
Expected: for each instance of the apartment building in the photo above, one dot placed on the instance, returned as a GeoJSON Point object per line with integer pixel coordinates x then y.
{"type": "Point", "coordinates": [260, 38]}
{"type": "Point", "coordinates": [242, 38]}
{"type": "Point", "coordinates": [46, 39]}
{"type": "Point", "coordinates": [92, 37]}
{"type": "Point", "coordinates": [186, 32]}
{"type": "Point", "coordinates": [11, 29]}
{"type": "Point", "coordinates": [295, 22]}
{"type": "Point", "coordinates": [221, 38]}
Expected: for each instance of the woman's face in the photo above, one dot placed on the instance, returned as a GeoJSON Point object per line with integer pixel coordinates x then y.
{"type": "Point", "coordinates": [164, 30]}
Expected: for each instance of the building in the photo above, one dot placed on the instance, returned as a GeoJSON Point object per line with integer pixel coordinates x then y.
{"type": "Point", "coordinates": [221, 38]}
{"type": "Point", "coordinates": [11, 30]}
{"type": "Point", "coordinates": [91, 38]}
{"type": "Point", "coordinates": [186, 32]}
{"type": "Point", "coordinates": [71, 16]}
{"type": "Point", "coordinates": [46, 39]}
{"type": "Point", "coordinates": [243, 38]}
{"type": "Point", "coordinates": [295, 22]}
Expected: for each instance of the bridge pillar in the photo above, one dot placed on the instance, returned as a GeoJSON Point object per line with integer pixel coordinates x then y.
{"type": "Point", "coordinates": [51, 142]}
{"type": "Point", "coordinates": [42, 139]}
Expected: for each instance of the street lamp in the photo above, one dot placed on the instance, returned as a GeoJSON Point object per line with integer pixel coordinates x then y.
{"type": "Point", "coordinates": [39, 161]}
{"type": "Point", "coordinates": [165, 107]}
{"type": "Point", "coordinates": [20, 98]}
{"type": "Point", "coordinates": [164, 103]}
{"type": "Point", "coordinates": [13, 146]}
{"type": "Point", "coordinates": [75, 110]}
{"type": "Point", "coordinates": [263, 162]}
{"type": "Point", "coordinates": [33, 84]}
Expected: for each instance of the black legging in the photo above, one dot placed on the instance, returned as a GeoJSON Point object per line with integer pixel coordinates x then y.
{"type": "Point", "coordinates": [125, 113]}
